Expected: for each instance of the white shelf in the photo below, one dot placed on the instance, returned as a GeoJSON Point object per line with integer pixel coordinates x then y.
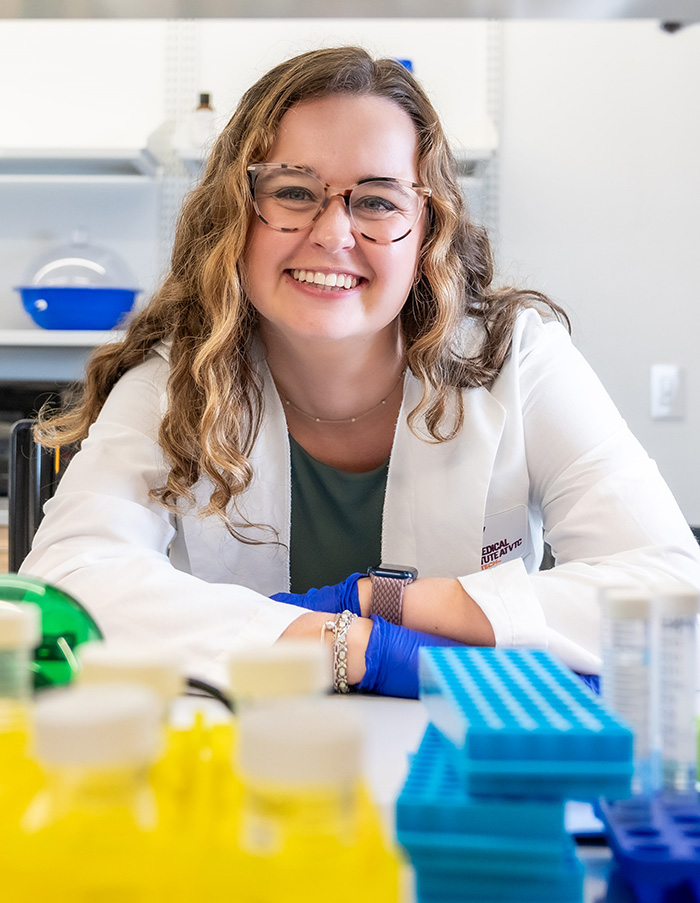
{"type": "Point", "coordinates": [54, 338]}
{"type": "Point", "coordinates": [66, 164]}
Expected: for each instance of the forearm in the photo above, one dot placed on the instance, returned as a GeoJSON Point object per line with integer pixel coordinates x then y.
{"type": "Point", "coordinates": [382, 657]}
{"type": "Point", "coordinates": [441, 606]}
{"type": "Point", "coordinates": [309, 626]}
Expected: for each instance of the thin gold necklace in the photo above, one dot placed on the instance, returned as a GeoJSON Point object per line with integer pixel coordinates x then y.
{"type": "Point", "coordinates": [379, 404]}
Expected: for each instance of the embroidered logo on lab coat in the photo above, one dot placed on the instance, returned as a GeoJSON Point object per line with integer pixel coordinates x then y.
{"type": "Point", "coordinates": [505, 537]}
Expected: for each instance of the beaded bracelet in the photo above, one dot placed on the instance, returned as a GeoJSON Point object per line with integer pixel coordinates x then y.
{"type": "Point", "coordinates": [339, 626]}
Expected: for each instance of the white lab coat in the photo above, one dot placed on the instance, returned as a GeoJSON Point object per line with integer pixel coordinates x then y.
{"type": "Point", "coordinates": [543, 447]}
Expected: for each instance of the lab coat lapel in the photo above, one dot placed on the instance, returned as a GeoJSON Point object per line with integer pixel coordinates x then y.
{"type": "Point", "coordinates": [451, 478]}
{"type": "Point", "coordinates": [268, 499]}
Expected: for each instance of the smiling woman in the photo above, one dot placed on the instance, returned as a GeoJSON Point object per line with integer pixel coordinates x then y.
{"type": "Point", "coordinates": [327, 380]}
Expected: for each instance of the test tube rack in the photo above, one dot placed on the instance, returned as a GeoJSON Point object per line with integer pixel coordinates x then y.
{"type": "Point", "coordinates": [483, 848]}
{"type": "Point", "coordinates": [522, 723]}
{"type": "Point", "coordinates": [513, 734]}
{"type": "Point", "coordinates": [656, 845]}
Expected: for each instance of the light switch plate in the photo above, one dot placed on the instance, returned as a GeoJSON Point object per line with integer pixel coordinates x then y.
{"type": "Point", "coordinates": [667, 392]}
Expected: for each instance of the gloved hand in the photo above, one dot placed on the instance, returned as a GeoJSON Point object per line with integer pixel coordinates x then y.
{"type": "Point", "coordinates": [392, 658]}
{"type": "Point", "coordinates": [339, 597]}
{"type": "Point", "coordinates": [592, 681]}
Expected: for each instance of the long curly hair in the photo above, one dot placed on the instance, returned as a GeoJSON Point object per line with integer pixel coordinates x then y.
{"type": "Point", "coordinates": [214, 392]}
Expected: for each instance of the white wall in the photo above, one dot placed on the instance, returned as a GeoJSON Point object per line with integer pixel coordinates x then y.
{"type": "Point", "coordinates": [600, 207]}
{"type": "Point", "coordinates": [68, 84]}
{"type": "Point", "coordinates": [449, 57]}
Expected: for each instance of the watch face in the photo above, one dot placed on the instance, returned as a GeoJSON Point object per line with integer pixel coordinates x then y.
{"type": "Point", "coordinates": [394, 572]}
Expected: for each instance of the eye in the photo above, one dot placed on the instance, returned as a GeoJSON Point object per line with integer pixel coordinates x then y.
{"type": "Point", "coordinates": [382, 199]}
{"type": "Point", "coordinates": [374, 204]}
{"type": "Point", "coordinates": [295, 194]}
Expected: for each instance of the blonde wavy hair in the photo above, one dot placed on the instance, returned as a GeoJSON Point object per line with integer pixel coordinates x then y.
{"type": "Point", "coordinates": [214, 392]}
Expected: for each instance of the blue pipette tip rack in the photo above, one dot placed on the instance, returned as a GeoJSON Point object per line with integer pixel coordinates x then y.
{"type": "Point", "coordinates": [522, 724]}
{"type": "Point", "coordinates": [656, 846]}
{"type": "Point", "coordinates": [564, 886]}
{"type": "Point", "coordinates": [444, 829]}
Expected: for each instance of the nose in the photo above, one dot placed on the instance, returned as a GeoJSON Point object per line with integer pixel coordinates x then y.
{"type": "Point", "coordinates": [332, 230]}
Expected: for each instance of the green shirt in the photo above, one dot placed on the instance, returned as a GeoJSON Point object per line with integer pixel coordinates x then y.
{"type": "Point", "coordinates": [336, 520]}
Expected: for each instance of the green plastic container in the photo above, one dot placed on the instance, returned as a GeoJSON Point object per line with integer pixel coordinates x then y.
{"type": "Point", "coordinates": [65, 625]}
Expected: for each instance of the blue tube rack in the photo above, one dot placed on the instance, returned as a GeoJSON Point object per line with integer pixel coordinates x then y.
{"type": "Point", "coordinates": [513, 735]}
{"type": "Point", "coordinates": [520, 723]}
{"type": "Point", "coordinates": [656, 847]}
{"type": "Point", "coordinates": [440, 886]}
{"type": "Point", "coordinates": [523, 833]}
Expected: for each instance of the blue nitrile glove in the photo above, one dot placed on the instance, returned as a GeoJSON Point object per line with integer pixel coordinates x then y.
{"type": "Point", "coordinates": [592, 681]}
{"type": "Point", "coordinates": [339, 597]}
{"type": "Point", "coordinates": [392, 658]}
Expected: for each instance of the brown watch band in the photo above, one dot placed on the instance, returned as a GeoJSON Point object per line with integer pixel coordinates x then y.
{"type": "Point", "coordinates": [387, 592]}
{"type": "Point", "coordinates": [387, 598]}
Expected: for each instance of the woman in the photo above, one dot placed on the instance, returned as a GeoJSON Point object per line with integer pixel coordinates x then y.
{"type": "Point", "coordinates": [327, 378]}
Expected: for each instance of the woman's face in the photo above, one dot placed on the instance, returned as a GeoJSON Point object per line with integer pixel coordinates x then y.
{"type": "Point", "coordinates": [343, 139]}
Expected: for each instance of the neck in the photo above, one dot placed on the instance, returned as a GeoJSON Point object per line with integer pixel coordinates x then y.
{"type": "Point", "coordinates": [335, 384]}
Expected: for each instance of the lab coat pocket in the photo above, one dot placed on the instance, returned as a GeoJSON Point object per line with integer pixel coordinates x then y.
{"type": "Point", "coordinates": [506, 537]}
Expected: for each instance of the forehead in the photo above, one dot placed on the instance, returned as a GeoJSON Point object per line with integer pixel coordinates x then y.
{"type": "Point", "coordinates": [348, 137]}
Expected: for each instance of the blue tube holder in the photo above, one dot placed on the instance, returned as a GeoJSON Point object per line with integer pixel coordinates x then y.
{"type": "Point", "coordinates": [656, 846]}
{"type": "Point", "coordinates": [521, 724]}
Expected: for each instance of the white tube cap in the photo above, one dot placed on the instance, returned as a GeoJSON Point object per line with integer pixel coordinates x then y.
{"type": "Point", "coordinates": [98, 725]}
{"type": "Point", "coordinates": [301, 742]}
{"type": "Point", "coordinates": [678, 599]}
{"type": "Point", "coordinates": [157, 668]}
{"type": "Point", "coordinates": [288, 668]}
{"type": "Point", "coordinates": [20, 625]}
{"type": "Point", "coordinates": [627, 603]}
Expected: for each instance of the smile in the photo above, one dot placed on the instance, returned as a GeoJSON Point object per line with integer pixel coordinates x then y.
{"type": "Point", "coordinates": [325, 280]}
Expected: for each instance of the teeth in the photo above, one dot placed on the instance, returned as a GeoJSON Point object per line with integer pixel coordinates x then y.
{"type": "Point", "coordinates": [328, 280]}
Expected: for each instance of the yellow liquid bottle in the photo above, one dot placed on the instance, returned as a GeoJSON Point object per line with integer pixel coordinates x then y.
{"type": "Point", "coordinates": [259, 676]}
{"type": "Point", "coordinates": [305, 831]}
{"type": "Point", "coordinates": [92, 834]}
{"type": "Point", "coordinates": [159, 669]}
{"type": "Point", "coordinates": [20, 634]}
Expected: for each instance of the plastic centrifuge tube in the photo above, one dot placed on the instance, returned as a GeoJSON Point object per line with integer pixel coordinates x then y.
{"type": "Point", "coordinates": [304, 821]}
{"type": "Point", "coordinates": [676, 611]}
{"type": "Point", "coordinates": [295, 668]}
{"type": "Point", "coordinates": [20, 634]}
{"type": "Point", "coordinates": [157, 668]}
{"type": "Point", "coordinates": [92, 832]}
{"type": "Point", "coordinates": [626, 677]}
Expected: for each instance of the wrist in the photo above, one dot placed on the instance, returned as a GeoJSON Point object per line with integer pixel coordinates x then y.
{"type": "Point", "coordinates": [364, 595]}
{"type": "Point", "coordinates": [356, 639]}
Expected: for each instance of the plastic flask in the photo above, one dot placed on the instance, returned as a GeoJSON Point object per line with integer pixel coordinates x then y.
{"type": "Point", "coordinates": [258, 676]}
{"type": "Point", "coordinates": [677, 609]}
{"type": "Point", "coordinates": [158, 669]}
{"type": "Point", "coordinates": [627, 672]}
{"type": "Point", "coordinates": [188, 778]}
{"type": "Point", "coordinates": [303, 834]}
{"type": "Point", "coordinates": [291, 668]}
{"type": "Point", "coordinates": [150, 666]}
{"type": "Point", "coordinates": [20, 634]}
{"type": "Point", "coordinates": [91, 834]}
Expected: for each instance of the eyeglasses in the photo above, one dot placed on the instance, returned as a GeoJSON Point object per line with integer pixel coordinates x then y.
{"type": "Point", "coordinates": [289, 198]}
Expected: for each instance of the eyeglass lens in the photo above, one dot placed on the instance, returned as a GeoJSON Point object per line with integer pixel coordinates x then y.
{"type": "Point", "coordinates": [289, 199]}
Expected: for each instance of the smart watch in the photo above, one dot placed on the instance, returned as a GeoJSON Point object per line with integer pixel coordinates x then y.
{"type": "Point", "coordinates": [388, 584]}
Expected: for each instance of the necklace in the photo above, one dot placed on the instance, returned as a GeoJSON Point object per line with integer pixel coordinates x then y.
{"type": "Point", "coordinates": [379, 404]}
